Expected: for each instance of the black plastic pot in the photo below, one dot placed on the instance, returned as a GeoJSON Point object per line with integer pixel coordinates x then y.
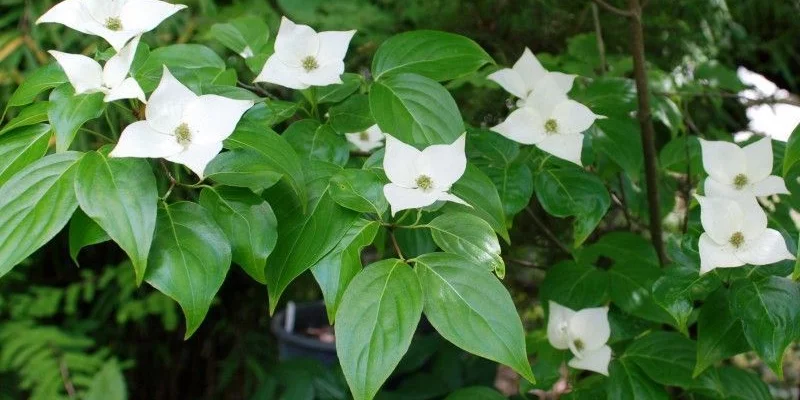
{"type": "Point", "coordinates": [290, 325]}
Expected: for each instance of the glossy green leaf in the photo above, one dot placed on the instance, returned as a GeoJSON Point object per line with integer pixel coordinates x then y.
{"type": "Point", "coordinates": [319, 142]}
{"type": "Point", "coordinates": [682, 154]}
{"type": "Point", "coordinates": [189, 259]}
{"type": "Point", "coordinates": [739, 384]}
{"type": "Point", "coordinates": [83, 232]}
{"type": "Point", "coordinates": [475, 393]}
{"type": "Point", "coordinates": [249, 224]}
{"type": "Point", "coordinates": [469, 236]}
{"type": "Point", "coordinates": [770, 316]}
{"type": "Point", "coordinates": [676, 291]}
{"type": "Point", "coordinates": [242, 168]}
{"type": "Point", "coordinates": [338, 92]}
{"type": "Point", "coordinates": [627, 381]}
{"type": "Point", "coordinates": [22, 147]}
{"type": "Point", "coordinates": [608, 96]}
{"type": "Point", "coordinates": [374, 326]}
{"type": "Point", "coordinates": [351, 115]}
{"type": "Point", "coordinates": [514, 183]}
{"type": "Point", "coordinates": [335, 271]}
{"type": "Point", "coordinates": [108, 383]}
{"type": "Point", "coordinates": [440, 56]}
{"type": "Point", "coordinates": [666, 357]}
{"type": "Point", "coordinates": [575, 285]}
{"type": "Point", "coordinates": [41, 199]}
{"type": "Point", "coordinates": [631, 289]}
{"type": "Point", "coordinates": [184, 61]}
{"type": "Point", "coordinates": [46, 77]}
{"type": "Point", "coordinates": [120, 194]}
{"type": "Point", "coordinates": [471, 309]}
{"type": "Point", "coordinates": [620, 140]}
{"type": "Point", "coordinates": [68, 112]}
{"type": "Point", "coordinates": [240, 33]}
{"type": "Point", "coordinates": [269, 113]}
{"type": "Point", "coordinates": [572, 192]}
{"type": "Point", "coordinates": [719, 332]}
{"type": "Point", "coordinates": [359, 190]}
{"type": "Point", "coordinates": [30, 115]}
{"type": "Point", "coordinates": [792, 155]}
{"type": "Point", "coordinates": [478, 191]}
{"type": "Point", "coordinates": [276, 153]}
{"type": "Point", "coordinates": [415, 110]}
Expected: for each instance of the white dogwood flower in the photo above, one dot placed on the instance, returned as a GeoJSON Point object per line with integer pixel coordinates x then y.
{"type": "Point", "coordinates": [116, 21]}
{"type": "Point", "coordinates": [584, 332]}
{"type": "Point", "coordinates": [181, 126]}
{"type": "Point", "coordinates": [551, 121]}
{"type": "Point", "coordinates": [87, 76]}
{"type": "Point", "coordinates": [366, 140]}
{"type": "Point", "coordinates": [305, 58]}
{"type": "Point", "coordinates": [521, 79]}
{"type": "Point", "coordinates": [736, 234]}
{"type": "Point", "coordinates": [420, 178]}
{"type": "Point", "coordinates": [735, 171]}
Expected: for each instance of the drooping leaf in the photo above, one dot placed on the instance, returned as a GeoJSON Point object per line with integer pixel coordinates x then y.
{"type": "Point", "coordinates": [719, 332]}
{"type": "Point", "coordinates": [83, 232]}
{"type": "Point", "coordinates": [120, 194]}
{"type": "Point", "coordinates": [359, 190]}
{"type": "Point", "coordinates": [189, 259]}
{"type": "Point", "coordinates": [68, 112]}
{"type": "Point", "coordinates": [471, 309]}
{"type": "Point", "coordinates": [477, 189]}
{"type": "Point", "coordinates": [41, 199]}
{"type": "Point", "coordinates": [46, 77]}
{"type": "Point", "coordinates": [440, 56]}
{"type": "Point", "coordinates": [416, 110]}
{"type": "Point", "coordinates": [249, 224]}
{"type": "Point", "coordinates": [468, 236]}
{"type": "Point", "coordinates": [678, 288]}
{"type": "Point", "coordinates": [22, 147]}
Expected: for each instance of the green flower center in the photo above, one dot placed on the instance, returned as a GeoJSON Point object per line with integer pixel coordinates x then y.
{"type": "Point", "coordinates": [424, 182]}
{"type": "Point", "coordinates": [364, 136]}
{"type": "Point", "coordinates": [310, 64]}
{"type": "Point", "coordinates": [736, 240]}
{"type": "Point", "coordinates": [551, 126]}
{"type": "Point", "coordinates": [183, 135]}
{"type": "Point", "coordinates": [113, 24]}
{"type": "Point", "coordinates": [739, 181]}
{"type": "Point", "coordinates": [578, 345]}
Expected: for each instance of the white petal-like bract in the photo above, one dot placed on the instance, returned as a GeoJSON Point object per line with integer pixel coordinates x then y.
{"type": "Point", "coordinates": [740, 172]}
{"type": "Point", "coordinates": [584, 332]}
{"type": "Point", "coordinates": [367, 140]}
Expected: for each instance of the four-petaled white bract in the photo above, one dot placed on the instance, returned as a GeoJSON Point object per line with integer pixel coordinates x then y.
{"type": "Point", "coordinates": [527, 72]}
{"type": "Point", "coordinates": [305, 58]}
{"type": "Point", "coordinates": [116, 21]}
{"type": "Point", "coordinates": [87, 76]}
{"type": "Point", "coordinates": [736, 234]}
{"type": "Point", "coordinates": [549, 120]}
{"type": "Point", "coordinates": [420, 178]}
{"type": "Point", "coordinates": [735, 171]}
{"type": "Point", "coordinates": [584, 332]}
{"type": "Point", "coordinates": [367, 140]}
{"type": "Point", "coordinates": [181, 126]}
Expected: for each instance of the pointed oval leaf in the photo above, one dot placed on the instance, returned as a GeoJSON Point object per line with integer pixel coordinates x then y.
{"type": "Point", "coordinates": [189, 259]}
{"type": "Point", "coordinates": [575, 285]}
{"type": "Point", "coordinates": [68, 112]}
{"type": "Point", "coordinates": [39, 198]}
{"type": "Point", "coordinates": [46, 77]}
{"type": "Point", "coordinates": [374, 326]}
{"type": "Point", "coordinates": [22, 147]}
{"type": "Point", "coordinates": [83, 232]}
{"type": "Point", "coordinates": [469, 236]}
{"type": "Point", "coordinates": [627, 381]}
{"type": "Point", "coordinates": [33, 114]}
{"type": "Point", "coordinates": [470, 308]}
{"type": "Point", "coordinates": [242, 168]}
{"type": "Point", "coordinates": [479, 191]}
{"type": "Point", "coordinates": [351, 115]}
{"type": "Point", "coordinates": [719, 332]}
{"type": "Point", "coordinates": [359, 190]}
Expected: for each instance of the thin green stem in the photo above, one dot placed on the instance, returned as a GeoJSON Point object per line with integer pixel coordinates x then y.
{"type": "Point", "coordinates": [3, 117]}
{"type": "Point", "coordinates": [110, 124]}
{"type": "Point", "coordinates": [98, 134]}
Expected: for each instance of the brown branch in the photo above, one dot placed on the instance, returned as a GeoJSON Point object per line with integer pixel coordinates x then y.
{"type": "Point", "coordinates": [396, 245]}
{"type": "Point", "coordinates": [615, 10]}
{"type": "Point", "coordinates": [64, 371]}
{"type": "Point", "coordinates": [646, 124]}
{"type": "Point", "coordinates": [598, 31]}
{"type": "Point", "coordinates": [547, 232]}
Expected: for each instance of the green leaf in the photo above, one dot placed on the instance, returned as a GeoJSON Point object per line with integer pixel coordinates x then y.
{"type": "Point", "coordinates": [739, 384]}
{"type": "Point", "coordinates": [471, 309]}
{"type": "Point", "coordinates": [627, 381]}
{"type": "Point", "coordinates": [475, 393]}
{"type": "Point", "coordinates": [338, 92]}
{"type": "Point", "coordinates": [612, 97]}
{"type": "Point", "coordinates": [620, 140]}
{"type": "Point", "coordinates": [46, 77]}
{"type": "Point", "coordinates": [39, 198]}
{"type": "Point", "coordinates": [269, 113]}
{"type": "Point", "coordinates": [666, 357]}
{"type": "Point", "coordinates": [22, 147]}
{"type": "Point", "coordinates": [189, 259]}
{"type": "Point", "coordinates": [374, 326]}
{"type": "Point", "coordinates": [440, 56]}
{"type": "Point", "coordinates": [792, 155]}
{"type": "Point", "coordinates": [276, 153]}
{"type": "Point", "coordinates": [717, 75]}
{"type": "Point", "coordinates": [572, 192]}
{"type": "Point", "coordinates": [187, 62]}
{"type": "Point", "coordinates": [249, 224]}
{"type": "Point", "coordinates": [120, 194]}
{"type": "Point", "coordinates": [239, 33]}
{"type": "Point", "coordinates": [770, 316]}
{"type": "Point", "coordinates": [351, 115]}
{"type": "Point", "coordinates": [719, 332]}
{"type": "Point", "coordinates": [676, 291]}
{"type": "Point", "coordinates": [242, 168]}
{"type": "Point", "coordinates": [678, 152]}
{"type": "Point", "coordinates": [469, 236]}
{"type": "Point", "coordinates": [477, 189]}
{"type": "Point", "coordinates": [33, 114]}
{"type": "Point", "coordinates": [359, 190]}
{"type": "Point", "coordinates": [83, 232]}
{"type": "Point", "coordinates": [108, 383]}
{"type": "Point", "coordinates": [575, 285]}
{"type": "Point", "coordinates": [416, 110]}
{"type": "Point", "coordinates": [68, 112]}
{"type": "Point", "coordinates": [335, 271]}
{"type": "Point", "coordinates": [318, 142]}
{"type": "Point", "coordinates": [631, 286]}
